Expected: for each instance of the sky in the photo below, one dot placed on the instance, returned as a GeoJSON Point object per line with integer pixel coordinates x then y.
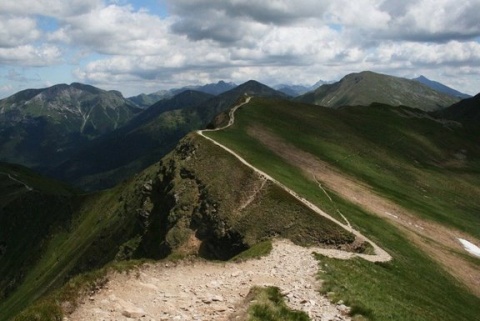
{"type": "Point", "coordinates": [149, 45]}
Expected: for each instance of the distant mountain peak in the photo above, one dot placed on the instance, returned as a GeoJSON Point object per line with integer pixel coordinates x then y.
{"type": "Point", "coordinates": [47, 123]}
{"type": "Point", "coordinates": [256, 88]}
{"type": "Point", "coordinates": [252, 82]}
{"type": "Point", "coordinates": [441, 87]}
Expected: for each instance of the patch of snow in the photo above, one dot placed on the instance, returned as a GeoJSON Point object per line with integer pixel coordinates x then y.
{"type": "Point", "coordinates": [470, 247]}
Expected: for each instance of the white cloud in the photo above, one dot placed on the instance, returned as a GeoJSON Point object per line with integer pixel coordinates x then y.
{"type": "Point", "coordinates": [363, 14]}
{"type": "Point", "coordinates": [15, 31]}
{"type": "Point", "coordinates": [453, 53]}
{"type": "Point", "coordinates": [28, 55]}
{"type": "Point", "coordinates": [115, 30]}
{"type": "Point", "coordinates": [272, 41]}
{"type": "Point", "coordinates": [438, 20]}
{"type": "Point", "coordinates": [51, 8]}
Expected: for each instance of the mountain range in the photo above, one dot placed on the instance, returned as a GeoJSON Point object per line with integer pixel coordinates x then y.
{"type": "Point", "coordinates": [297, 90]}
{"type": "Point", "coordinates": [41, 127]}
{"type": "Point", "coordinates": [159, 190]}
{"type": "Point", "coordinates": [146, 100]}
{"type": "Point", "coordinates": [149, 136]}
{"type": "Point", "coordinates": [95, 138]}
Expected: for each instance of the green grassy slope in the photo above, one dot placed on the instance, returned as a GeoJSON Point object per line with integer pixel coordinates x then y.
{"type": "Point", "coordinates": [405, 157]}
{"type": "Point", "coordinates": [402, 153]}
{"type": "Point", "coordinates": [30, 208]}
{"type": "Point", "coordinates": [53, 234]}
{"type": "Point", "coordinates": [131, 148]}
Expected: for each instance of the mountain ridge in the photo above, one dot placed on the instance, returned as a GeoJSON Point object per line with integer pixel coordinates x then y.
{"type": "Point", "coordinates": [149, 136]}
{"type": "Point", "coordinates": [145, 100]}
{"type": "Point", "coordinates": [369, 87]}
{"type": "Point", "coordinates": [39, 127]}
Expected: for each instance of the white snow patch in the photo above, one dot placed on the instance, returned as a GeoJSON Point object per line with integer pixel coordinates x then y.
{"type": "Point", "coordinates": [470, 247]}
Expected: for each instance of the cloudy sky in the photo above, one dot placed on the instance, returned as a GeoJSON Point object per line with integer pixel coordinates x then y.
{"type": "Point", "coordinates": [145, 45]}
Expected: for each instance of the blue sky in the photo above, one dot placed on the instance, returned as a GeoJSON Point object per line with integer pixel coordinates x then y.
{"type": "Point", "coordinates": [147, 45]}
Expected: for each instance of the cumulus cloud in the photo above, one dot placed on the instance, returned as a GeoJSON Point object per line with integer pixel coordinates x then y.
{"type": "Point", "coordinates": [434, 20]}
{"type": "Point", "coordinates": [116, 45]}
{"type": "Point", "coordinates": [424, 20]}
{"type": "Point", "coordinates": [277, 12]}
{"type": "Point", "coordinates": [52, 8]}
{"type": "Point", "coordinates": [115, 30]}
{"type": "Point", "coordinates": [453, 53]}
{"type": "Point", "coordinates": [15, 31]}
{"type": "Point", "coordinates": [31, 56]}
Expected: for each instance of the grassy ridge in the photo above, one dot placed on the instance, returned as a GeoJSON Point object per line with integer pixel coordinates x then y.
{"type": "Point", "coordinates": [405, 157]}
{"type": "Point", "coordinates": [412, 285]}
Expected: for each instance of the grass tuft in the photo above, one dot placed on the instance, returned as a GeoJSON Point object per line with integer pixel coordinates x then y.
{"type": "Point", "coordinates": [270, 306]}
{"type": "Point", "coordinates": [256, 251]}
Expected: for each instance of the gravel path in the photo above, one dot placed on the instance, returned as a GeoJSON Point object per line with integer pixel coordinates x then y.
{"type": "Point", "coordinates": [211, 291]}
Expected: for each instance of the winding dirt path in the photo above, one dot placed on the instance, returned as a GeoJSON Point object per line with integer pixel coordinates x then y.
{"type": "Point", "coordinates": [17, 181]}
{"type": "Point", "coordinates": [380, 254]}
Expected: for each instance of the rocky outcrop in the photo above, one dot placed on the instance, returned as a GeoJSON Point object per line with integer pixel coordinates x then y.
{"type": "Point", "coordinates": [201, 202]}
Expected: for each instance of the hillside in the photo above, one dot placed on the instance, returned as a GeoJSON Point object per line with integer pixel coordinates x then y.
{"type": "Point", "coordinates": [141, 142]}
{"type": "Point", "coordinates": [466, 111]}
{"type": "Point", "coordinates": [368, 87]}
{"type": "Point", "coordinates": [147, 100]}
{"type": "Point", "coordinates": [30, 207]}
{"type": "Point", "coordinates": [41, 127]}
{"type": "Point", "coordinates": [186, 204]}
{"type": "Point", "coordinates": [50, 232]}
{"type": "Point", "coordinates": [149, 136]}
{"type": "Point", "coordinates": [384, 180]}
{"type": "Point", "coordinates": [382, 168]}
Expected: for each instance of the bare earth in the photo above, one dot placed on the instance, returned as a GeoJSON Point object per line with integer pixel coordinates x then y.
{"type": "Point", "coordinates": [211, 291]}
